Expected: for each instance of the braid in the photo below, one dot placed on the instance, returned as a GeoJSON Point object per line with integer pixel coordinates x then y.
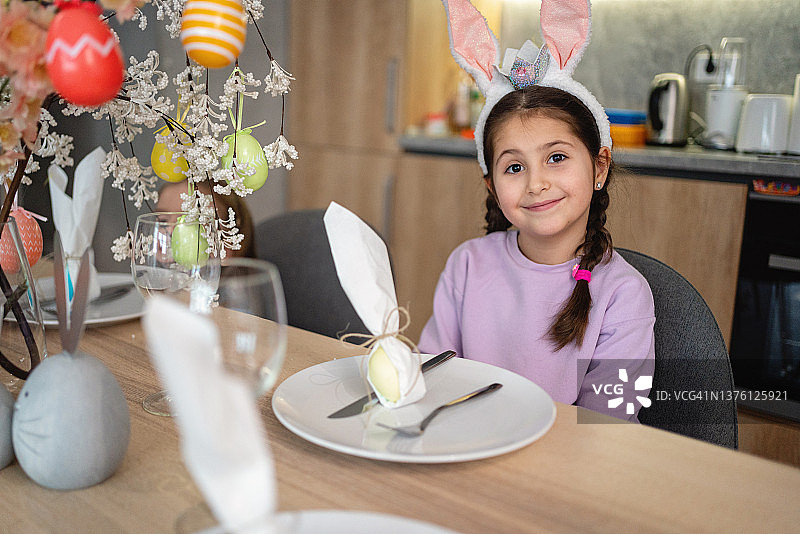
{"type": "Point", "coordinates": [571, 321]}
{"type": "Point", "coordinates": [495, 220]}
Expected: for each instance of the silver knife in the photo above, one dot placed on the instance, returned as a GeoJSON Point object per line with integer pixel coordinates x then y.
{"type": "Point", "coordinates": [107, 294]}
{"type": "Point", "coordinates": [360, 405]}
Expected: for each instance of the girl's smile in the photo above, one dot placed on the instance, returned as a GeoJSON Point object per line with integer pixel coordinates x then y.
{"type": "Point", "coordinates": [544, 205]}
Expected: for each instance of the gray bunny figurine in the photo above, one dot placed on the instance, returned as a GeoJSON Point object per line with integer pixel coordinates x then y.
{"type": "Point", "coordinates": [71, 426]}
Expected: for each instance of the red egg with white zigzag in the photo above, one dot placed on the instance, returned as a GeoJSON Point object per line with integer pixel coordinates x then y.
{"type": "Point", "coordinates": [83, 57]}
{"type": "Point", "coordinates": [31, 236]}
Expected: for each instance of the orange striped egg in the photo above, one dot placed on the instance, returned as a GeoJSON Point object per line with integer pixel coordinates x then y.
{"type": "Point", "coordinates": [213, 31]}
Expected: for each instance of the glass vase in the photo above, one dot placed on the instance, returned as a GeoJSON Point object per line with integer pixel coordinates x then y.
{"type": "Point", "coordinates": [22, 340]}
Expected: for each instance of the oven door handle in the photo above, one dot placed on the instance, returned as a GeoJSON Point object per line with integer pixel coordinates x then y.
{"type": "Point", "coordinates": [784, 263]}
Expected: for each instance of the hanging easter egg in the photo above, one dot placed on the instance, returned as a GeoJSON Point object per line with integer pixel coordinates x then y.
{"type": "Point", "coordinates": [161, 159]}
{"type": "Point", "coordinates": [249, 155]}
{"type": "Point", "coordinates": [71, 424]}
{"type": "Point", "coordinates": [213, 31]}
{"type": "Point", "coordinates": [189, 247]}
{"type": "Point", "coordinates": [84, 60]}
{"type": "Point", "coordinates": [6, 411]}
{"type": "Point", "coordinates": [31, 236]}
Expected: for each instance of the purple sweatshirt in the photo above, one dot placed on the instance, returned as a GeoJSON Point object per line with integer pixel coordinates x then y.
{"type": "Point", "coordinates": [494, 305]}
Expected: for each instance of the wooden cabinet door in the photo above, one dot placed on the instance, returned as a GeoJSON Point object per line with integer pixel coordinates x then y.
{"type": "Point", "coordinates": [360, 182]}
{"type": "Point", "coordinates": [438, 204]}
{"type": "Point", "coordinates": [347, 58]}
{"type": "Point", "coordinates": [694, 226]}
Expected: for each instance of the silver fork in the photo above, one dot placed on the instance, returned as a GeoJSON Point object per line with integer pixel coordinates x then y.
{"type": "Point", "coordinates": [419, 428]}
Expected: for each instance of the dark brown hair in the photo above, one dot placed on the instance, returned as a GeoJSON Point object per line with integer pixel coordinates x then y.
{"type": "Point", "coordinates": [570, 323]}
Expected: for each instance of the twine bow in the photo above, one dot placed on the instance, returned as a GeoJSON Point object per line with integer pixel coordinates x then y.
{"type": "Point", "coordinates": [369, 341]}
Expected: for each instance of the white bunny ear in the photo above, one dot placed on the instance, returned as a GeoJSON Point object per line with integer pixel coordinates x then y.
{"type": "Point", "coordinates": [472, 43]}
{"type": "Point", "coordinates": [566, 27]}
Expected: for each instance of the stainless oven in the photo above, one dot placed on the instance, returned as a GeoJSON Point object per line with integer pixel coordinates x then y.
{"type": "Point", "coordinates": [765, 342]}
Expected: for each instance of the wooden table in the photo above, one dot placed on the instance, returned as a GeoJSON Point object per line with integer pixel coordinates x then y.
{"type": "Point", "coordinates": [576, 478]}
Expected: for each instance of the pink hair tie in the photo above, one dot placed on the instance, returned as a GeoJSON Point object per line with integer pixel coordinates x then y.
{"type": "Point", "coordinates": [581, 274]}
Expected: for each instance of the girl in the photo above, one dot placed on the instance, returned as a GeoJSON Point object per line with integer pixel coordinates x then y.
{"type": "Point", "coordinates": [549, 299]}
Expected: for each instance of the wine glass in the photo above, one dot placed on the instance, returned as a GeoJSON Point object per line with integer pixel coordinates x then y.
{"type": "Point", "coordinates": [252, 348]}
{"type": "Point", "coordinates": [172, 257]}
{"type": "Point", "coordinates": [250, 317]}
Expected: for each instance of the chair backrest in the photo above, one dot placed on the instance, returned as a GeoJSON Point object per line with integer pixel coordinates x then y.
{"type": "Point", "coordinates": [296, 242]}
{"type": "Point", "coordinates": [691, 357]}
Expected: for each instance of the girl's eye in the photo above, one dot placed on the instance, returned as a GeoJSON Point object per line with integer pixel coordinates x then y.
{"type": "Point", "coordinates": [514, 168]}
{"type": "Point", "coordinates": [556, 158]}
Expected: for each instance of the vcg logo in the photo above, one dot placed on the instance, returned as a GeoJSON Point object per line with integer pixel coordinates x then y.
{"type": "Point", "coordinates": [617, 391]}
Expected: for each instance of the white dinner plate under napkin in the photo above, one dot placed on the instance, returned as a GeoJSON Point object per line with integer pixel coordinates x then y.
{"type": "Point", "coordinates": [510, 418]}
{"type": "Point", "coordinates": [121, 309]}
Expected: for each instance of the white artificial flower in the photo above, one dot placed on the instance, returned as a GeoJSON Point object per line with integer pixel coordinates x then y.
{"type": "Point", "coordinates": [278, 80]}
{"type": "Point", "coordinates": [123, 246]}
{"type": "Point", "coordinates": [236, 85]}
{"type": "Point", "coordinates": [229, 235]}
{"type": "Point", "coordinates": [279, 152]}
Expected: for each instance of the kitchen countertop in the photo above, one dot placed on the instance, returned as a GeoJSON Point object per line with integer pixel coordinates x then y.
{"type": "Point", "coordinates": [691, 161]}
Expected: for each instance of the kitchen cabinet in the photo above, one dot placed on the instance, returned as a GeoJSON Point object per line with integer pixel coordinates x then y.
{"type": "Point", "coordinates": [694, 226]}
{"type": "Point", "coordinates": [347, 59]}
{"type": "Point", "coordinates": [345, 114]}
{"type": "Point", "coordinates": [360, 181]}
{"type": "Point", "coordinates": [438, 204]}
{"type": "Point", "coordinates": [344, 109]}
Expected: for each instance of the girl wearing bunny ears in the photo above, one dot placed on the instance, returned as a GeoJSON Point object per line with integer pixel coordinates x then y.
{"type": "Point", "coordinates": [549, 299]}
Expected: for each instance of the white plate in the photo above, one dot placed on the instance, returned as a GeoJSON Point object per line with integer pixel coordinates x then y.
{"type": "Point", "coordinates": [125, 308]}
{"type": "Point", "coordinates": [510, 418]}
{"type": "Point", "coordinates": [346, 522]}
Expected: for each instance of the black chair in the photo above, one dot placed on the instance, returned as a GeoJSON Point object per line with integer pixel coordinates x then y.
{"type": "Point", "coordinates": [691, 357]}
{"type": "Point", "coordinates": [296, 242]}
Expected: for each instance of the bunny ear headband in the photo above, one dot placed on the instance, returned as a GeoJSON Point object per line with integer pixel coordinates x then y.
{"type": "Point", "coordinates": [565, 28]}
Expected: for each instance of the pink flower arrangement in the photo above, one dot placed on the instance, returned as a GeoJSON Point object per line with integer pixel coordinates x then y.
{"type": "Point", "coordinates": [24, 82]}
{"type": "Point", "coordinates": [23, 74]}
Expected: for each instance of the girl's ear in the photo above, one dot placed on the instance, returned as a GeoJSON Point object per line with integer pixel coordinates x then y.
{"type": "Point", "coordinates": [488, 182]}
{"type": "Point", "coordinates": [602, 164]}
{"type": "Point", "coordinates": [565, 28]}
{"type": "Point", "coordinates": [472, 43]}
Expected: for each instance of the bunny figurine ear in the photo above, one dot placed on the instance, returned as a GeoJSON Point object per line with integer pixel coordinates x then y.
{"type": "Point", "coordinates": [566, 30]}
{"type": "Point", "coordinates": [70, 318]}
{"type": "Point", "coordinates": [472, 43]}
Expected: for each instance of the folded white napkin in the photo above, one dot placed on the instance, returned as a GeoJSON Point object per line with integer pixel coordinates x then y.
{"type": "Point", "coordinates": [75, 217]}
{"type": "Point", "coordinates": [364, 271]}
{"type": "Point", "coordinates": [223, 441]}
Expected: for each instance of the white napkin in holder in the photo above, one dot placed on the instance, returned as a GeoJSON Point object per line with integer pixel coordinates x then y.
{"type": "Point", "coordinates": [75, 217]}
{"type": "Point", "coordinates": [365, 273]}
{"type": "Point", "coordinates": [223, 441]}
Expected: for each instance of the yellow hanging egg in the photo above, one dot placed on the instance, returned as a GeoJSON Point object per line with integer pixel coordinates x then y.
{"type": "Point", "coordinates": [213, 31]}
{"type": "Point", "coordinates": [163, 165]}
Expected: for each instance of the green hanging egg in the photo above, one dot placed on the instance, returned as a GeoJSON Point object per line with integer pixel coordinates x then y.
{"type": "Point", "coordinates": [189, 247]}
{"type": "Point", "coordinates": [248, 152]}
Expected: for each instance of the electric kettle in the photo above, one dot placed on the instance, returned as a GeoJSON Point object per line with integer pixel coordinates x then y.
{"type": "Point", "coordinates": [668, 110]}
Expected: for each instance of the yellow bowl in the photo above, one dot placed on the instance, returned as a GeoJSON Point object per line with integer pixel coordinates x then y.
{"type": "Point", "coordinates": [630, 135]}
